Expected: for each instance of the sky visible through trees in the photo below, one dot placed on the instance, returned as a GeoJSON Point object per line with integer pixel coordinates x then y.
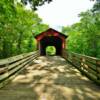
{"type": "Point", "coordinates": [84, 36]}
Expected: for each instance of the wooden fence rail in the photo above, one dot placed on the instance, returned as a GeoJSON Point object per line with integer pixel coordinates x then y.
{"type": "Point", "coordinates": [89, 66]}
{"type": "Point", "coordinates": [10, 67]}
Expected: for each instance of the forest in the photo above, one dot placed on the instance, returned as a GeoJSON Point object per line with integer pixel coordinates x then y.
{"type": "Point", "coordinates": [84, 36]}
{"type": "Point", "coordinates": [19, 26]}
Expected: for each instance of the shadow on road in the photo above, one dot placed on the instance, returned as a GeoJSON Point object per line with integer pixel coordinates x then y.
{"type": "Point", "coordinates": [50, 78]}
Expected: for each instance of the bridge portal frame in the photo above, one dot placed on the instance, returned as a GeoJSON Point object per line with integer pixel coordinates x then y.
{"type": "Point", "coordinates": [51, 37]}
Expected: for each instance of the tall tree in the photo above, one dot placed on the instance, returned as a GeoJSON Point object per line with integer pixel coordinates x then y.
{"type": "Point", "coordinates": [16, 28]}
{"type": "Point", "coordinates": [84, 36]}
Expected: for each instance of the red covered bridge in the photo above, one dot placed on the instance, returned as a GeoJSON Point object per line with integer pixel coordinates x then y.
{"type": "Point", "coordinates": [51, 37]}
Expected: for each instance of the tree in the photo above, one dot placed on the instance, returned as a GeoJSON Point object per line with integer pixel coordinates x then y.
{"type": "Point", "coordinates": [35, 3]}
{"type": "Point", "coordinates": [84, 36]}
{"type": "Point", "coordinates": [16, 29]}
{"type": "Point", "coordinates": [96, 7]}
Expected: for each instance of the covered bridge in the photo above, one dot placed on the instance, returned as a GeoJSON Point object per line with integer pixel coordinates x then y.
{"type": "Point", "coordinates": [51, 37]}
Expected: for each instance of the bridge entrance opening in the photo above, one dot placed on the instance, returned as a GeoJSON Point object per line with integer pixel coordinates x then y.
{"type": "Point", "coordinates": [50, 50]}
{"type": "Point", "coordinates": [51, 41]}
{"type": "Point", "coordinates": [53, 38]}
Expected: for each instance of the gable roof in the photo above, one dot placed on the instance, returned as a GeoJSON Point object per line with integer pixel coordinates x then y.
{"type": "Point", "coordinates": [53, 31]}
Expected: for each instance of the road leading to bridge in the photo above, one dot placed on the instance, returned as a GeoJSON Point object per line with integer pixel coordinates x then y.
{"type": "Point", "coordinates": [50, 78]}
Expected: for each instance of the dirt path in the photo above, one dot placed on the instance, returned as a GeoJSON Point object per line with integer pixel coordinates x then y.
{"type": "Point", "coordinates": [50, 78]}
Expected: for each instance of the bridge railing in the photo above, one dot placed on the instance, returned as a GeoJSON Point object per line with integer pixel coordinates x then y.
{"type": "Point", "coordinates": [10, 67]}
{"type": "Point", "coordinates": [89, 66]}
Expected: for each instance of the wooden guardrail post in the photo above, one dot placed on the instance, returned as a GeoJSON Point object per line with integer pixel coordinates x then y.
{"type": "Point", "coordinates": [98, 70]}
{"type": "Point", "coordinates": [6, 66]}
{"type": "Point", "coordinates": [87, 65]}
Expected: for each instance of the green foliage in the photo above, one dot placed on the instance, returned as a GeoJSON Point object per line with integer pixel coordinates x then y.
{"type": "Point", "coordinates": [84, 37]}
{"type": "Point", "coordinates": [16, 29]}
{"type": "Point", "coordinates": [35, 3]}
{"type": "Point", "coordinates": [96, 7]}
{"type": "Point", "coordinates": [50, 50]}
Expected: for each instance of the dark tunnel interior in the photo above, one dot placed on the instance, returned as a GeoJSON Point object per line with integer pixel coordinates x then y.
{"type": "Point", "coordinates": [51, 41]}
